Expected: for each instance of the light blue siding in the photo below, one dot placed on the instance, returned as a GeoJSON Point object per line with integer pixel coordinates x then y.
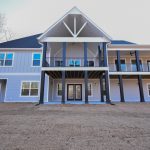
{"type": "Point", "coordinates": [22, 63]}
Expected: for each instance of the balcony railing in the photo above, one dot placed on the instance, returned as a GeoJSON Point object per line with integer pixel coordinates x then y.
{"type": "Point", "coordinates": [129, 68]}
{"type": "Point", "coordinates": [72, 62]}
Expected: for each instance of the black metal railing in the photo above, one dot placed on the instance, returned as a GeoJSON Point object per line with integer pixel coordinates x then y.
{"type": "Point", "coordinates": [129, 68]}
{"type": "Point", "coordinates": [73, 62]}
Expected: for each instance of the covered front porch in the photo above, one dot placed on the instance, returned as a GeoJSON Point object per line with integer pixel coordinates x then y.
{"type": "Point", "coordinates": [76, 87]}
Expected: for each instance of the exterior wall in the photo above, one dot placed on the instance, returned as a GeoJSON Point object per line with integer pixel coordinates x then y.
{"type": "Point", "coordinates": [13, 88]}
{"type": "Point", "coordinates": [131, 90]}
{"type": "Point", "coordinates": [95, 89]}
{"type": "Point", "coordinates": [22, 63]}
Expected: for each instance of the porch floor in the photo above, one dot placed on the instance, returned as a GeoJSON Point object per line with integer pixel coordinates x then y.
{"type": "Point", "coordinates": [74, 102]}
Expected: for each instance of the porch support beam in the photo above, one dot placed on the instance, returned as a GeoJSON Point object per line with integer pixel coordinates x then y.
{"type": "Point", "coordinates": [101, 87]}
{"type": "Point", "coordinates": [107, 87]}
{"type": "Point", "coordinates": [120, 77]}
{"type": "Point", "coordinates": [41, 101]}
{"type": "Point", "coordinates": [140, 83]}
{"type": "Point", "coordinates": [86, 86]}
{"type": "Point", "coordinates": [105, 54]}
{"type": "Point", "coordinates": [100, 56]}
{"type": "Point", "coordinates": [63, 87]}
{"type": "Point", "coordinates": [85, 54]}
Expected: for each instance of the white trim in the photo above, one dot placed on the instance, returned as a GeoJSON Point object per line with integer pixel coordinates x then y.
{"type": "Point", "coordinates": [30, 74]}
{"type": "Point", "coordinates": [68, 29]}
{"type": "Point", "coordinates": [75, 40]}
{"type": "Point", "coordinates": [81, 28]}
{"type": "Point", "coordinates": [129, 73]}
{"type": "Point", "coordinates": [30, 81]}
{"type": "Point", "coordinates": [36, 59]}
{"type": "Point", "coordinates": [74, 68]}
{"type": "Point", "coordinates": [5, 53]}
{"type": "Point", "coordinates": [148, 84]}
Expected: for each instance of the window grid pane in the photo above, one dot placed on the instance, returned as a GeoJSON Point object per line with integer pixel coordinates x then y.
{"type": "Point", "coordinates": [36, 60]}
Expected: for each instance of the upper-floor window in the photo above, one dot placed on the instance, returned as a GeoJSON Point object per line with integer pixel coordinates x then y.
{"type": "Point", "coordinates": [36, 61]}
{"type": "Point", "coordinates": [6, 59]}
{"type": "Point", "coordinates": [134, 67]}
{"type": "Point", "coordinates": [90, 63]}
{"type": "Point", "coordinates": [29, 88]}
{"type": "Point", "coordinates": [122, 63]}
{"type": "Point", "coordinates": [74, 62]}
{"type": "Point", "coordinates": [58, 63]}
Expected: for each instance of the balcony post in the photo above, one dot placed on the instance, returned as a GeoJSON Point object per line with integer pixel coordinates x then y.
{"type": "Point", "coordinates": [64, 54]}
{"type": "Point", "coordinates": [137, 61]}
{"type": "Point", "coordinates": [44, 54]}
{"type": "Point", "coordinates": [120, 77]}
{"type": "Point", "coordinates": [100, 55]}
{"type": "Point", "coordinates": [63, 72]}
{"type": "Point", "coordinates": [85, 54]}
{"type": "Point", "coordinates": [105, 54]}
{"type": "Point", "coordinates": [42, 87]}
{"type": "Point", "coordinates": [101, 88]}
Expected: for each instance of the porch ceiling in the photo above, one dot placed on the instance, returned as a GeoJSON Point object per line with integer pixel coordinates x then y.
{"type": "Point", "coordinates": [74, 74]}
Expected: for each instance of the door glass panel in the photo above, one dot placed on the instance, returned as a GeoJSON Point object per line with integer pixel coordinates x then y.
{"type": "Point", "coordinates": [78, 92]}
{"type": "Point", "coordinates": [70, 92]}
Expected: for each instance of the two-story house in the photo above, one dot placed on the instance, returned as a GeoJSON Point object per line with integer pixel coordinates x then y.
{"type": "Point", "coordinates": [74, 61]}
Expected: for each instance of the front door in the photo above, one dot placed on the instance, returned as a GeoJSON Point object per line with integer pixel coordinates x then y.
{"type": "Point", "coordinates": [74, 92]}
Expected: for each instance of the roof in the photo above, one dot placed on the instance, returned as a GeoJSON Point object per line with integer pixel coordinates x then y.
{"type": "Point", "coordinates": [26, 42]}
{"type": "Point", "coordinates": [121, 42]}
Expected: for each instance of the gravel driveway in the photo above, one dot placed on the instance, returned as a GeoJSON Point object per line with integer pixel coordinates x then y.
{"type": "Point", "coordinates": [75, 127]}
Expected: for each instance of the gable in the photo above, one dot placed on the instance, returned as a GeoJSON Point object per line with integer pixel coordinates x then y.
{"type": "Point", "coordinates": [74, 24]}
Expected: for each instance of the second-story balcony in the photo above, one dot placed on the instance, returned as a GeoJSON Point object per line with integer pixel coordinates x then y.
{"type": "Point", "coordinates": [144, 67]}
{"type": "Point", "coordinates": [73, 62]}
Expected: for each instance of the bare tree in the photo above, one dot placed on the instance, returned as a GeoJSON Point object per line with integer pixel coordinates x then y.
{"type": "Point", "coordinates": [5, 33]}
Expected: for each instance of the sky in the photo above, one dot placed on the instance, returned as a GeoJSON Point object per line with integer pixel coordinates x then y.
{"type": "Point", "coordinates": [121, 19]}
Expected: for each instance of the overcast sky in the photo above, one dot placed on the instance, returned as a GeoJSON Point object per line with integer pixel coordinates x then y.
{"type": "Point", "coordinates": [121, 19]}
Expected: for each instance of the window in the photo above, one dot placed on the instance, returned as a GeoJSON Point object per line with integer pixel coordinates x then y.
{"type": "Point", "coordinates": [29, 88]}
{"type": "Point", "coordinates": [59, 89]}
{"type": "Point", "coordinates": [148, 65]}
{"type": "Point", "coordinates": [36, 60]}
{"type": "Point", "coordinates": [148, 89]}
{"type": "Point", "coordinates": [89, 89]}
{"type": "Point", "coordinates": [58, 63]}
{"type": "Point", "coordinates": [123, 64]}
{"type": "Point", "coordinates": [90, 63]}
{"type": "Point", "coordinates": [74, 62]}
{"type": "Point", "coordinates": [134, 67]}
{"type": "Point", "coordinates": [6, 59]}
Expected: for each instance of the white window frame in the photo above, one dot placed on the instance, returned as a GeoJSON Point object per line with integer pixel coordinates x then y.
{"type": "Point", "coordinates": [36, 59]}
{"type": "Point", "coordinates": [57, 90]}
{"type": "Point", "coordinates": [91, 90]}
{"type": "Point", "coordinates": [148, 84]}
{"type": "Point", "coordinates": [5, 53]}
{"type": "Point", "coordinates": [120, 60]}
{"type": "Point", "coordinates": [135, 63]}
{"type": "Point", "coordinates": [29, 89]}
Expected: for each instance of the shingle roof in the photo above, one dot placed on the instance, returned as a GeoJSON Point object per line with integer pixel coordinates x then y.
{"type": "Point", "coordinates": [26, 42]}
{"type": "Point", "coordinates": [121, 42]}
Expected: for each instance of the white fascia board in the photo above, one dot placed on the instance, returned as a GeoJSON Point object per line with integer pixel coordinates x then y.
{"type": "Point", "coordinates": [72, 39]}
{"type": "Point", "coordinates": [21, 49]}
{"type": "Point", "coordinates": [129, 73]}
{"type": "Point", "coordinates": [74, 68]}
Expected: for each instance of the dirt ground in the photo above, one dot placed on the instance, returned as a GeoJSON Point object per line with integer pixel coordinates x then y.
{"type": "Point", "coordinates": [75, 127]}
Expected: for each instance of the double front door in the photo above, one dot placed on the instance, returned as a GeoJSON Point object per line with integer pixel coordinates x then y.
{"type": "Point", "coordinates": [74, 92]}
